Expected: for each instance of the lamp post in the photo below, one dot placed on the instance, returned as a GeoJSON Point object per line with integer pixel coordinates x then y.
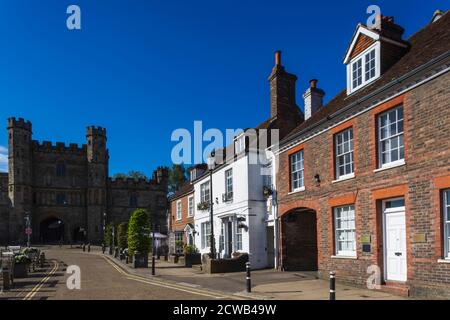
{"type": "Point", "coordinates": [211, 166]}
{"type": "Point", "coordinates": [28, 227]}
{"type": "Point", "coordinates": [153, 245]}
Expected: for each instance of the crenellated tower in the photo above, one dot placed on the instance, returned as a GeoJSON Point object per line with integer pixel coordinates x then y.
{"type": "Point", "coordinates": [20, 174]}
{"type": "Point", "coordinates": [97, 170]}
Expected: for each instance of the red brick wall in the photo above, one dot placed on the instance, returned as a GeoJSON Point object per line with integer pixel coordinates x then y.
{"type": "Point", "coordinates": [426, 173]}
{"type": "Point", "coordinates": [179, 225]}
{"type": "Point", "coordinates": [362, 44]}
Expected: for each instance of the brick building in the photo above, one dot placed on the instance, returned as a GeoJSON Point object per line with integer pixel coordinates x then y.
{"type": "Point", "coordinates": [66, 190]}
{"type": "Point", "coordinates": [365, 179]}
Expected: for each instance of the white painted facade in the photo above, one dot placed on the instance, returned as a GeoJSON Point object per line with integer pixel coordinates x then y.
{"type": "Point", "coordinates": [249, 208]}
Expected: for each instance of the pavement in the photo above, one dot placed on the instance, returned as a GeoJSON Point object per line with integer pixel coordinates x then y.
{"type": "Point", "coordinates": [105, 278]}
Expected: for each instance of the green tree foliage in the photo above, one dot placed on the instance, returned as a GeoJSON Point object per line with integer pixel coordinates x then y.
{"type": "Point", "coordinates": [122, 235]}
{"type": "Point", "coordinates": [177, 176]}
{"type": "Point", "coordinates": [139, 232]}
{"type": "Point", "coordinates": [132, 174]}
{"type": "Point", "coordinates": [108, 235]}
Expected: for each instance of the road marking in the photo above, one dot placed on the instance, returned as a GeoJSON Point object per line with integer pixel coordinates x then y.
{"type": "Point", "coordinates": [169, 286]}
{"type": "Point", "coordinates": [38, 287]}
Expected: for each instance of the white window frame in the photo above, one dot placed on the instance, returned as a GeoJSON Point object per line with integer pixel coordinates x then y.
{"type": "Point", "coordinates": [205, 189]}
{"type": "Point", "coordinates": [190, 206]}
{"type": "Point", "coordinates": [446, 221]}
{"type": "Point", "coordinates": [228, 185]}
{"type": "Point", "coordinates": [300, 171]}
{"type": "Point", "coordinates": [338, 231]}
{"type": "Point", "coordinates": [179, 215]}
{"type": "Point", "coordinates": [206, 235]}
{"type": "Point", "coordinates": [399, 161]}
{"type": "Point", "coordinates": [239, 144]}
{"type": "Point", "coordinates": [362, 56]}
{"type": "Point", "coordinates": [239, 239]}
{"type": "Point", "coordinates": [350, 142]}
{"type": "Point", "coordinates": [179, 236]}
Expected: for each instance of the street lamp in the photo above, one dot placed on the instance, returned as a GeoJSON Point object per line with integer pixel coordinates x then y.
{"type": "Point", "coordinates": [211, 166]}
{"type": "Point", "coordinates": [28, 227]}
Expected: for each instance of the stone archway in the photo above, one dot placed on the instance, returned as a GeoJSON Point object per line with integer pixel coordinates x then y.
{"type": "Point", "coordinates": [52, 230]}
{"type": "Point", "coordinates": [299, 240]}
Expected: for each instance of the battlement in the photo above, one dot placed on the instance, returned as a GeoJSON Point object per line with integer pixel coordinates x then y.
{"type": "Point", "coordinates": [95, 131]}
{"type": "Point", "coordinates": [130, 183]}
{"type": "Point", "coordinates": [60, 147]}
{"type": "Point", "coordinates": [19, 123]}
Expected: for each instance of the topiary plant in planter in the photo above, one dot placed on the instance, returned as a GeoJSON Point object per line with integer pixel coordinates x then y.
{"type": "Point", "coordinates": [139, 241]}
{"type": "Point", "coordinates": [21, 264]}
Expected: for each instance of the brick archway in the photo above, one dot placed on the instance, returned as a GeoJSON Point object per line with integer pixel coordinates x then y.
{"type": "Point", "coordinates": [299, 249]}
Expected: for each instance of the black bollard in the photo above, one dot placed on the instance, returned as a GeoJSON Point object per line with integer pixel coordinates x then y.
{"type": "Point", "coordinates": [84, 247]}
{"type": "Point", "coordinates": [248, 278]}
{"type": "Point", "coordinates": [89, 247]}
{"type": "Point", "coordinates": [332, 285]}
{"type": "Point", "coordinates": [153, 265]}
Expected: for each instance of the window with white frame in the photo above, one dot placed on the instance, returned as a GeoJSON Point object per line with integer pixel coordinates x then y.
{"type": "Point", "coordinates": [390, 137]}
{"type": "Point", "coordinates": [238, 237]}
{"type": "Point", "coordinates": [204, 193]}
{"type": "Point", "coordinates": [297, 171]}
{"type": "Point", "coordinates": [178, 212]}
{"type": "Point", "coordinates": [191, 206]}
{"type": "Point", "coordinates": [446, 207]}
{"type": "Point", "coordinates": [363, 69]}
{"type": "Point", "coordinates": [229, 184]}
{"type": "Point", "coordinates": [239, 144]}
{"type": "Point", "coordinates": [179, 241]}
{"type": "Point", "coordinates": [206, 234]}
{"type": "Point", "coordinates": [344, 154]}
{"type": "Point", "coordinates": [345, 231]}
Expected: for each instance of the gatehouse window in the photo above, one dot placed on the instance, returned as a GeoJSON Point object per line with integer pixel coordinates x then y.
{"type": "Point", "coordinates": [446, 207]}
{"type": "Point", "coordinates": [133, 201]}
{"type": "Point", "coordinates": [61, 199]}
{"type": "Point", "coordinates": [344, 154]}
{"type": "Point", "coordinates": [297, 171]}
{"type": "Point", "coordinates": [60, 170]}
{"type": "Point", "coordinates": [390, 137]}
{"type": "Point", "coordinates": [345, 231]}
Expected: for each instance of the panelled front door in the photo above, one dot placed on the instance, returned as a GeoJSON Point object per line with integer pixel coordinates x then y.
{"type": "Point", "coordinates": [394, 240]}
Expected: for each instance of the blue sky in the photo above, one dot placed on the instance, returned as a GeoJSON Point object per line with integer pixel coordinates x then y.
{"type": "Point", "coordinates": [143, 68]}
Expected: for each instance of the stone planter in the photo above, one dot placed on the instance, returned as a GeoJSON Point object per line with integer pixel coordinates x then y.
{"type": "Point", "coordinates": [21, 270]}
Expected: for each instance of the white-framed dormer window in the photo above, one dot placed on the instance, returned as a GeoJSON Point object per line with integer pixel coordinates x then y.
{"type": "Point", "coordinates": [446, 220]}
{"type": "Point", "coordinates": [345, 231]}
{"type": "Point", "coordinates": [193, 175]}
{"type": "Point", "coordinates": [191, 206]}
{"type": "Point", "coordinates": [344, 154]}
{"type": "Point", "coordinates": [297, 171]}
{"type": "Point", "coordinates": [178, 213]}
{"type": "Point", "coordinates": [391, 149]}
{"type": "Point", "coordinates": [364, 68]}
{"type": "Point", "coordinates": [239, 144]}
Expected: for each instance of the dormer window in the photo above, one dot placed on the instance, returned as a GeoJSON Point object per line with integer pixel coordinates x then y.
{"type": "Point", "coordinates": [239, 144]}
{"type": "Point", "coordinates": [363, 69]}
{"type": "Point", "coordinates": [193, 174]}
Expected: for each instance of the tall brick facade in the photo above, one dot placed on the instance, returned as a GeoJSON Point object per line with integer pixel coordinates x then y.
{"type": "Point", "coordinates": [424, 95]}
{"type": "Point", "coordinates": [66, 189]}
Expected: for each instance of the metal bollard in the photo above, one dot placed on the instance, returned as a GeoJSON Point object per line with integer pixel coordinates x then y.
{"type": "Point", "coordinates": [89, 247]}
{"type": "Point", "coordinates": [126, 259]}
{"type": "Point", "coordinates": [332, 285]}
{"type": "Point", "coordinates": [42, 260]}
{"type": "Point", "coordinates": [84, 247]}
{"type": "Point", "coordinates": [6, 280]}
{"type": "Point", "coordinates": [153, 265]}
{"type": "Point", "coordinates": [248, 278]}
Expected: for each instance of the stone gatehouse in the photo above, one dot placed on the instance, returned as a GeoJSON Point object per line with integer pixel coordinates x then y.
{"type": "Point", "coordinates": [66, 190]}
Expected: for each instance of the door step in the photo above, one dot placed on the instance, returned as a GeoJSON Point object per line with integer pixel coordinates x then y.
{"type": "Point", "coordinates": [396, 288]}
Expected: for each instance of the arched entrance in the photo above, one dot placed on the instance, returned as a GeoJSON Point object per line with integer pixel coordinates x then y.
{"type": "Point", "coordinates": [79, 235]}
{"type": "Point", "coordinates": [52, 230]}
{"type": "Point", "coordinates": [299, 240]}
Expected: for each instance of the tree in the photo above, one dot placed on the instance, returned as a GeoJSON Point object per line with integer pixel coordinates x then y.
{"type": "Point", "coordinates": [131, 174]}
{"type": "Point", "coordinates": [177, 176]}
{"type": "Point", "coordinates": [108, 235]}
{"type": "Point", "coordinates": [139, 232]}
{"type": "Point", "coordinates": [122, 235]}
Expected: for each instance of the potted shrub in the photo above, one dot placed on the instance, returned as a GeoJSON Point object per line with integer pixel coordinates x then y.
{"type": "Point", "coordinates": [139, 241]}
{"type": "Point", "coordinates": [21, 265]}
{"type": "Point", "coordinates": [191, 256]}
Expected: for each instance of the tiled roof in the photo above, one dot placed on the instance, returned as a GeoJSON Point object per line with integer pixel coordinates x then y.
{"type": "Point", "coordinates": [186, 188]}
{"type": "Point", "coordinates": [427, 44]}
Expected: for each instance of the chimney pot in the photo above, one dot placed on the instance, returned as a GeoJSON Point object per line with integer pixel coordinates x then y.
{"type": "Point", "coordinates": [278, 58]}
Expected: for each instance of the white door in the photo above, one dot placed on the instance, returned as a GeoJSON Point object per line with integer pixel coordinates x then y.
{"type": "Point", "coordinates": [395, 240]}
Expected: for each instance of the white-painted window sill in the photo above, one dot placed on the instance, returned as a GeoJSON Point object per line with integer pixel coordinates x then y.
{"type": "Point", "coordinates": [297, 190]}
{"type": "Point", "coordinates": [344, 178]}
{"type": "Point", "coordinates": [391, 165]}
{"type": "Point", "coordinates": [446, 260]}
{"type": "Point", "coordinates": [344, 257]}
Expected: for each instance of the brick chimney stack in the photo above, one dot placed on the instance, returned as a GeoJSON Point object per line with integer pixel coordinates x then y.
{"type": "Point", "coordinates": [313, 98]}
